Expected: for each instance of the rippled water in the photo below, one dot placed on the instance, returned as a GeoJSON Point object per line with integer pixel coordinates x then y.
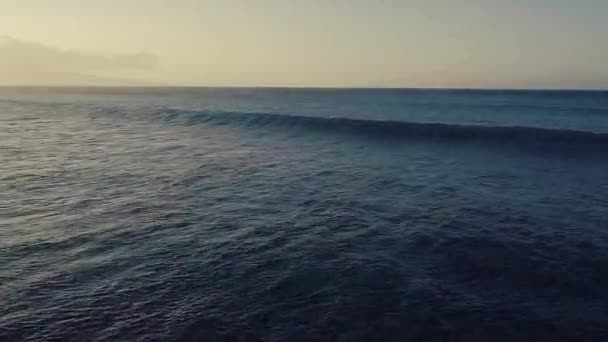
{"type": "Point", "coordinates": [281, 214]}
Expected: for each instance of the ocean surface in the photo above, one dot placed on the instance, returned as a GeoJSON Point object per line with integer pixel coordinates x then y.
{"type": "Point", "coordinates": [207, 214]}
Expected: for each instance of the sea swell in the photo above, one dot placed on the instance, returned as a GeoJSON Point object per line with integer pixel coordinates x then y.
{"type": "Point", "coordinates": [521, 135]}
{"type": "Point", "coordinates": [397, 130]}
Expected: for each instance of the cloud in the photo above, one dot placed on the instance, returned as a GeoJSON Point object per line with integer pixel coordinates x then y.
{"type": "Point", "coordinates": [31, 62]}
{"type": "Point", "coordinates": [17, 52]}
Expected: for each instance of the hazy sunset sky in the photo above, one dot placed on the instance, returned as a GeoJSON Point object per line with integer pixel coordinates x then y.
{"type": "Point", "coordinates": [407, 43]}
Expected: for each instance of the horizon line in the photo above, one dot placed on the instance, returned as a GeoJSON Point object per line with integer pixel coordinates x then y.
{"type": "Point", "coordinates": [301, 87]}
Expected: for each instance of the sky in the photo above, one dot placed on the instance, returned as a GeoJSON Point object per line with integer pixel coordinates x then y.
{"type": "Point", "coordinates": [318, 43]}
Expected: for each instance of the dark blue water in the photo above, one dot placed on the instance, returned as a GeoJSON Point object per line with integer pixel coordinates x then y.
{"type": "Point", "coordinates": [286, 215]}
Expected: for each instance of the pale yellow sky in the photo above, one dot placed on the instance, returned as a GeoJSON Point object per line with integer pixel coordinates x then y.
{"type": "Point", "coordinates": [415, 43]}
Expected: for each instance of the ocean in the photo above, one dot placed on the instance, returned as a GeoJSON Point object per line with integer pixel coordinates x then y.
{"type": "Point", "coordinates": [270, 214]}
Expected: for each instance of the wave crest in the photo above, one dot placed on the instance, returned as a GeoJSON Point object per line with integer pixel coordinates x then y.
{"type": "Point", "coordinates": [397, 129]}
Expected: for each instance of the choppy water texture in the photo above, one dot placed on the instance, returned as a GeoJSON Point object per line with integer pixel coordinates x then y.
{"type": "Point", "coordinates": [287, 215]}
